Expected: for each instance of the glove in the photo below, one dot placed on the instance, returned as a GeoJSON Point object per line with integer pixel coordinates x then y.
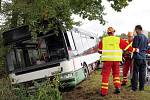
{"type": "Point", "coordinates": [137, 50]}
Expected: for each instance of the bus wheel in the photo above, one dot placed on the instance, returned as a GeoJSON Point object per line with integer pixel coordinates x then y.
{"type": "Point", "coordinates": [97, 66]}
{"type": "Point", "coordinates": [147, 79]}
{"type": "Point", "coordinates": [92, 66]}
{"type": "Point", "coordinates": [86, 71]}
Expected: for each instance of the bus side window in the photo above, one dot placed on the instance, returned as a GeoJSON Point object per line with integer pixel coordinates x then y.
{"type": "Point", "coordinates": [11, 61]}
{"type": "Point", "coordinates": [91, 41]}
{"type": "Point", "coordinates": [71, 40]}
{"type": "Point", "coordinates": [78, 42]}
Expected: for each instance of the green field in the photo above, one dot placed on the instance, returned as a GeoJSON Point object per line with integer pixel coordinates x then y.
{"type": "Point", "coordinates": [87, 90]}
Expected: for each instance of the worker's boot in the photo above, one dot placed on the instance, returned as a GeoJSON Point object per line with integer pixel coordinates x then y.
{"type": "Point", "coordinates": [102, 93]}
{"type": "Point", "coordinates": [117, 91]}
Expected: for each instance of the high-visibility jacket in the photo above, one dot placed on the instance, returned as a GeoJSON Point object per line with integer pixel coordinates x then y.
{"type": "Point", "coordinates": [111, 50]}
{"type": "Point", "coordinates": [117, 43]}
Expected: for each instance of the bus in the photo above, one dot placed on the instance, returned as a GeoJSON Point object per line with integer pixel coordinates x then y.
{"type": "Point", "coordinates": [73, 54]}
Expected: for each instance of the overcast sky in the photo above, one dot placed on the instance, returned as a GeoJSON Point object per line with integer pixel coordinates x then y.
{"type": "Point", "coordinates": [137, 12]}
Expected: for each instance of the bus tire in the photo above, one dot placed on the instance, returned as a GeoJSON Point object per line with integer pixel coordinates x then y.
{"type": "Point", "coordinates": [97, 66]}
{"type": "Point", "coordinates": [86, 71]}
{"type": "Point", "coordinates": [147, 79]}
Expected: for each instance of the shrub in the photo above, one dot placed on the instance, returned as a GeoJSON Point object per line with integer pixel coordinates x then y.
{"type": "Point", "coordinates": [47, 90]}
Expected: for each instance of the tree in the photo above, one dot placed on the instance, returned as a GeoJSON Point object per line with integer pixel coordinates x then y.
{"type": "Point", "coordinates": [18, 12]}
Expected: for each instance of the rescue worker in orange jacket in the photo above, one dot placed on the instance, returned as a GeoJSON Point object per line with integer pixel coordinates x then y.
{"type": "Point", "coordinates": [111, 49]}
{"type": "Point", "coordinates": [128, 60]}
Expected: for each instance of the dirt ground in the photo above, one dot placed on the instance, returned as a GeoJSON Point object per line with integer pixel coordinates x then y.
{"type": "Point", "coordinates": [87, 90]}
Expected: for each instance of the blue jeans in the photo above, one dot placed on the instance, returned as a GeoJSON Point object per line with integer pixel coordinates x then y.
{"type": "Point", "coordinates": [139, 72]}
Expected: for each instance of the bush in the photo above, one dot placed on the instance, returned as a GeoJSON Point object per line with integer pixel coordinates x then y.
{"type": "Point", "coordinates": [48, 90]}
{"type": "Point", "coordinates": [3, 53]}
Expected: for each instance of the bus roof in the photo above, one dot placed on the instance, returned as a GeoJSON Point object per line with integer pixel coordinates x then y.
{"type": "Point", "coordinates": [78, 30]}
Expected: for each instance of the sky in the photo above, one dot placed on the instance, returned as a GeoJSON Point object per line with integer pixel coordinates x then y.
{"type": "Point", "coordinates": [137, 12]}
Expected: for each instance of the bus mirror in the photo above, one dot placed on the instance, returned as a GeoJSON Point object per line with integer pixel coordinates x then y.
{"type": "Point", "coordinates": [91, 37]}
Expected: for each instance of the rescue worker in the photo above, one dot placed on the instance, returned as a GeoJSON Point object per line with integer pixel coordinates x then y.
{"type": "Point", "coordinates": [128, 60]}
{"type": "Point", "coordinates": [111, 49]}
{"type": "Point", "coordinates": [139, 69]}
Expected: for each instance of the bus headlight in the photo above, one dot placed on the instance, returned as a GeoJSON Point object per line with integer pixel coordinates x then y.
{"type": "Point", "coordinates": [67, 76]}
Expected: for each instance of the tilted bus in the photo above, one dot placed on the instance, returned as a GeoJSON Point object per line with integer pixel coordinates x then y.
{"type": "Point", "coordinates": [73, 54]}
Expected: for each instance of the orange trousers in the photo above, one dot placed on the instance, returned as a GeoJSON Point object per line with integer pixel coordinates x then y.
{"type": "Point", "coordinates": [126, 67]}
{"type": "Point", "coordinates": [107, 67]}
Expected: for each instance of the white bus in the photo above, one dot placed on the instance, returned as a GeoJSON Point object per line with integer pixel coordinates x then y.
{"type": "Point", "coordinates": [73, 54]}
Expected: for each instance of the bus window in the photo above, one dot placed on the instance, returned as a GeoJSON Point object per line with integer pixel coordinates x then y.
{"type": "Point", "coordinates": [27, 54]}
{"type": "Point", "coordinates": [78, 42]}
{"type": "Point", "coordinates": [37, 55]}
{"type": "Point", "coordinates": [84, 41]}
{"type": "Point", "coordinates": [71, 40]}
{"type": "Point", "coordinates": [21, 57]}
{"type": "Point", "coordinates": [11, 62]}
{"type": "Point", "coordinates": [16, 59]}
{"type": "Point", "coordinates": [56, 47]}
{"type": "Point", "coordinates": [91, 41]}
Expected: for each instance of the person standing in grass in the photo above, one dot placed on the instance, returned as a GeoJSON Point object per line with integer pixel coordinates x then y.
{"type": "Point", "coordinates": [139, 65]}
{"type": "Point", "coordinates": [111, 49]}
{"type": "Point", "coordinates": [128, 60]}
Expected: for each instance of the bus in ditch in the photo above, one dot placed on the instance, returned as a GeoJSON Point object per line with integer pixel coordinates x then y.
{"type": "Point", "coordinates": [73, 54]}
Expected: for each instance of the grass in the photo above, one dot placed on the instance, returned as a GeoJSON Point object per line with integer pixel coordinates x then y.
{"type": "Point", "coordinates": [6, 92]}
{"type": "Point", "coordinates": [87, 90]}
{"type": "Point", "coordinates": [145, 95]}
